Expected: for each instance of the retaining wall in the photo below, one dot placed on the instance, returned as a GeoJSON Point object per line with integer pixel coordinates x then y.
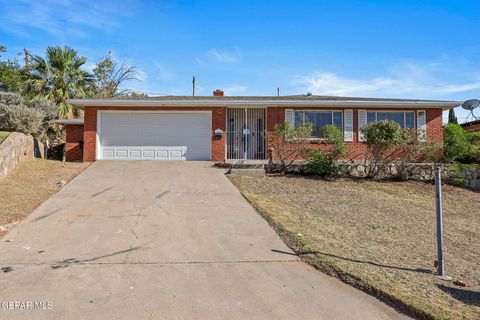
{"type": "Point", "coordinates": [16, 147]}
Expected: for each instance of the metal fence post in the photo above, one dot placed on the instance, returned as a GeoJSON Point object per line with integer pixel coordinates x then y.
{"type": "Point", "coordinates": [438, 194]}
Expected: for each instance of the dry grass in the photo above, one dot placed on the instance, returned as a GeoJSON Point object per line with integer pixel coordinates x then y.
{"type": "Point", "coordinates": [30, 183]}
{"type": "Point", "coordinates": [4, 135]}
{"type": "Point", "coordinates": [380, 236]}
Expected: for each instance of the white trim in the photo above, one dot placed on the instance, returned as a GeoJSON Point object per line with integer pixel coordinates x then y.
{"type": "Point", "coordinates": [422, 129]}
{"type": "Point", "coordinates": [98, 134]}
{"type": "Point", "coordinates": [99, 127]}
{"type": "Point", "coordinates": [362, 121]}
{"type": "Point", "coordinates": [260, 103]}
{"type": "Point", "coordinates": [348, 127]}
{"type": "Point", "coordinates": [290, 117]}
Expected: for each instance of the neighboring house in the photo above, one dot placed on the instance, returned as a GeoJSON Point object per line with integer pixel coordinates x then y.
{"type": "Point", "coordinates": [222, 128]}
{"type": "Point", "coordinates": [471, 126]}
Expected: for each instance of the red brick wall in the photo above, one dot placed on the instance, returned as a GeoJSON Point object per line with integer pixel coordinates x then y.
{"type": "Point", "coordinates": [434, 125]}
{"type": "Point", "coordinates": [73, 151]}
{"type": "Point", "coordinates": [356, 149]}
{"type": "Point", "coordinates": [274, 115]}
{"type": "Point", "coordinates": [90, 132]}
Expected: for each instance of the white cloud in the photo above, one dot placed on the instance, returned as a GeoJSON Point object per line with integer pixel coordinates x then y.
{"type": "Point", "coordinates": [61, 18]}
{"type": "Point", "coordinates": [436, 79]}
{"type": "Point", "coordinates": [225, 56]}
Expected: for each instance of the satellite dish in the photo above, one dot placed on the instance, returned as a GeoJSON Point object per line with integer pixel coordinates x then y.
{"type": "Point", "coordinates": [470, 105]}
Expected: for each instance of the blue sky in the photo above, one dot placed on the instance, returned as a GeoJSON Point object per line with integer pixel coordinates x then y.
{"type": "Point", "coordinates": [400, 49]}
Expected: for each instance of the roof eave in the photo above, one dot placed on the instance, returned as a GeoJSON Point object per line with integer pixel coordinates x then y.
{"type": "Point", "coordinates": [69, 122]}
{"type": "Point", "coordinates": [445, 105]}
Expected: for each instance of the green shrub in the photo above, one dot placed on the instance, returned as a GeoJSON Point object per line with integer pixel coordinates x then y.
{"type": "Point", "coordinates": [381, 138]}
{"type": "Point", "coordinates": [29, 118]}
{"type": "Point", "coordinates": [456, 175]}
{"type": "Point", "coordinates": [457, 145]}
{"type": "Point", "coordinates": [323, 162]}
{"type": "Point", "coordinates": [474, 138]}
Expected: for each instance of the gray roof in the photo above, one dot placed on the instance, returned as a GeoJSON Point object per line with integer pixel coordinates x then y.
{"type": "Point", "coordinates": [292, 100]}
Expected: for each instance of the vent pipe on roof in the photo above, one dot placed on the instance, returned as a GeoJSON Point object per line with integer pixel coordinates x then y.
{"type": "Point", "coordinates": [194, 85]}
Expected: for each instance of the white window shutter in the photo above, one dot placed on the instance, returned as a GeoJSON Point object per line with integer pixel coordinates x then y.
{"type": "Point", "coordinates": [362, 122]}
{"type": "Point", "coordinates": [422, 125]}
{"type": "Point", "coordinates": [290, 117]}
{"type": "Point", "coordinates": [348, 125]}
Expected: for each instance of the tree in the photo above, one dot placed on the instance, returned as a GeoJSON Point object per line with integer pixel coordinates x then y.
{"type": "Point", "coordinates": [12, 75]}
{"type": "Point", "coordinates": [59, 77]}
{"type": "Point", "coordinates": [452, 118]}
{"type": "Point", "coordinates": [289, 144]}
{"type": "Point", "coordinates": [109, 76]}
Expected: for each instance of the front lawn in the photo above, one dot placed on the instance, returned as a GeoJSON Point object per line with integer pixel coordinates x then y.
{"type": "Point", "coordinates": [4, 135]}
{"type": "Point", "coordinates": [379, 236]}
{"type": "Point", "coordinates": [30, 183]}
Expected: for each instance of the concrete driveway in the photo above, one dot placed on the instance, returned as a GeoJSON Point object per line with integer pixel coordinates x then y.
{"type": "Point", "coordinates": [163, 240]}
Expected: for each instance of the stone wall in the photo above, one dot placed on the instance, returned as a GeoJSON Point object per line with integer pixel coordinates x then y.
{"type": "Point", "coordinates": [362, 168]}
{"type": "Point", "coordinates": [467, 176]}
{"type": "Point", "coordinates": [409, 171]}
{"type": "Point", "coordinates": [15, 148]}
{"type": "Point", "coordinates": [463, 175]}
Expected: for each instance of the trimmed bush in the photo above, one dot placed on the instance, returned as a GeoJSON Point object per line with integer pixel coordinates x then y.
{"type": "Point", "coordinates": [323, 162]}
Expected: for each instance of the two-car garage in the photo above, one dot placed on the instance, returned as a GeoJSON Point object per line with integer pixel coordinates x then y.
{"type": "Point", "coordinates": [149, 135]}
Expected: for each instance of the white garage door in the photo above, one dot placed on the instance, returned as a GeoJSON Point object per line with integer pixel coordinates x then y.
{"type": "Point", "coordinates": [154, 136]}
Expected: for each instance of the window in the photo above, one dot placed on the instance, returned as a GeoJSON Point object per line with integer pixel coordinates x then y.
{"type": "Point", "coordinates": [319, 119]}
{"type": "Point", "coordinates": [404, 118]}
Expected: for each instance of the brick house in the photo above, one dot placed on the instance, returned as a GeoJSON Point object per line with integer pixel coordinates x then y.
{"type": "Point", "coordinates": [223, 128]}
{"type": "Point", "coordinates": [471, 126]}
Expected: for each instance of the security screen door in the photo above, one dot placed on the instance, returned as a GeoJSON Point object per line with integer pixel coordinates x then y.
{"type": "Point", "coordinates": [246, 133]}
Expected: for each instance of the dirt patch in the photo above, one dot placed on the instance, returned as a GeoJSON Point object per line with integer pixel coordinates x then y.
{"type": "Point", "coordinates": [32, 182]}
{"type": "Point", "coordinates": [380, 236]}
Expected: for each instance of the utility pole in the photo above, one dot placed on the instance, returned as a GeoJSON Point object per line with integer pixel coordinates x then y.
{"type": "Point", "coordinates": [194, 82]}
{"type": "Point", "coordinates": [27, 57]}
{"type": "Point", "coordinates": [438, 195]}
{"type": "Point", "coordinates": [278, 92]}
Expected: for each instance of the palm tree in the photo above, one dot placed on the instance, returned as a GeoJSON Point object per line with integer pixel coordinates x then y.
{"type": "Point", "coordinates": [59, 77]}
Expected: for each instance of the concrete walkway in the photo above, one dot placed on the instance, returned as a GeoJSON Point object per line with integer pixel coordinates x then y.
{"type": "Point", "coordinates": [163, 240]}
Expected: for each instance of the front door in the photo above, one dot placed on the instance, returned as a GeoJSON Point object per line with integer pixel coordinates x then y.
{"type": "Point", "coordinates": [246, 133]}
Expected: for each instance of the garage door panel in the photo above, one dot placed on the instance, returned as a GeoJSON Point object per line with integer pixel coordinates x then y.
{"type": "Point", "coordinates": [155, 136]}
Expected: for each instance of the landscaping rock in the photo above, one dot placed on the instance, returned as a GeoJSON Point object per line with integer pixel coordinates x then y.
{"type": "Point", "coordinates": [61, 183]}
{"type": "Point", "coordinates": [460, 283]}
